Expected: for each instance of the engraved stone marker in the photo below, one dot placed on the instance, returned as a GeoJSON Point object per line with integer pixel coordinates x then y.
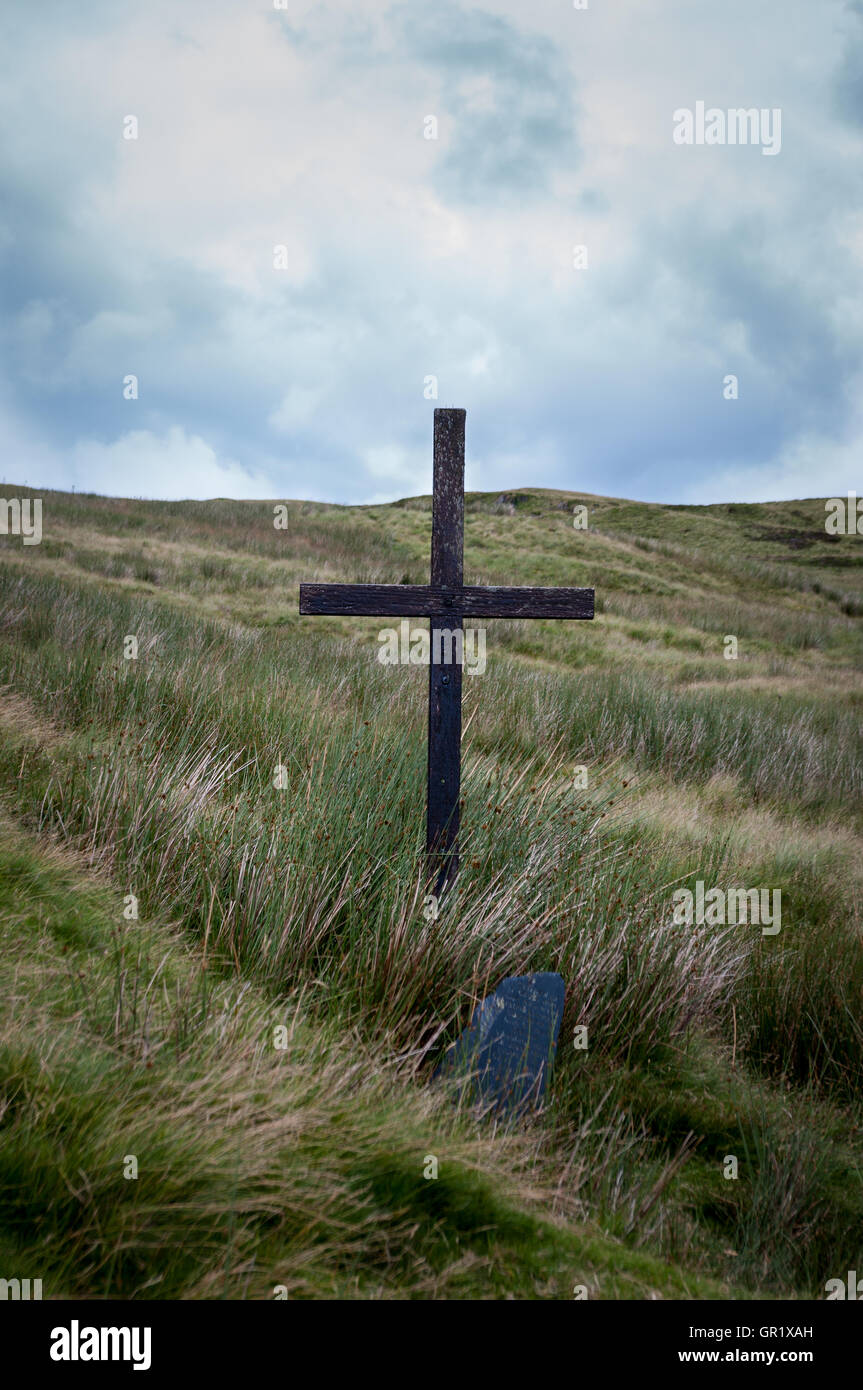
{"type": "Point", "coordinates": [506, 1054]}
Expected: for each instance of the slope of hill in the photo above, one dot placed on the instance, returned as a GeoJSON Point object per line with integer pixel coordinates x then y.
{"type": "Point", "coordinates": [302, 903]}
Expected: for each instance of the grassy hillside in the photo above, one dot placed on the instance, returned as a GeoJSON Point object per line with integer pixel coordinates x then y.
{"type": "Point", "coordinates": [302, 906]}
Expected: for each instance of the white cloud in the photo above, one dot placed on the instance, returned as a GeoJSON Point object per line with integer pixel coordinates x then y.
{"type": "Point", "coordinates": [139, 464]}
{"type": "Point", "coordinates": [399, 468]}
{"type": "Point", "coordinates": [297, 408]}
{"type": "Point", "coordinates": [260, 128]}
{"type": "Point", "coordinates": [811, 467]}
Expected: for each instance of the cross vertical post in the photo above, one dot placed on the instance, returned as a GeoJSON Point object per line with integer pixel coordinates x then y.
{"type": "Point", "coordinates": [446, 602]}
{"type": "Point", "coordinates": [445, 630]}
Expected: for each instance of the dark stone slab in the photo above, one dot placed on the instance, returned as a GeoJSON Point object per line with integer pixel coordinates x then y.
{"type": "Point", "coordinates": [506, 1054]}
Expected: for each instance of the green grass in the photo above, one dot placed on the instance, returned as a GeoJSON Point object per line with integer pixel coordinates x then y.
{"type": "Point", "coordinates": [258, 1167]}
{"type": "Point", "coordinates": [305, 903]}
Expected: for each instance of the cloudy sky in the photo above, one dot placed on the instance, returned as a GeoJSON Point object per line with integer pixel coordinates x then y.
{"type": "Point", "coordinates": [306, 372]}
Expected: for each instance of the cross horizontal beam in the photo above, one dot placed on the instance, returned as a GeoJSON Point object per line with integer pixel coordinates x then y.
{"type": "Point", "coordinates": [438, 600]}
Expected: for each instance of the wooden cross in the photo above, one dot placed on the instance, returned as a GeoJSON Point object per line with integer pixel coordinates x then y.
{"type": "Point", "coordinates": [446, 601]}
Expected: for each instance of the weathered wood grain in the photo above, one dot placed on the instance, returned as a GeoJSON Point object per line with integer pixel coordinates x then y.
{"type": "Point", "coordinates": [438, 600]}
{"type": "Point", "coordinates": [444, 724]}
